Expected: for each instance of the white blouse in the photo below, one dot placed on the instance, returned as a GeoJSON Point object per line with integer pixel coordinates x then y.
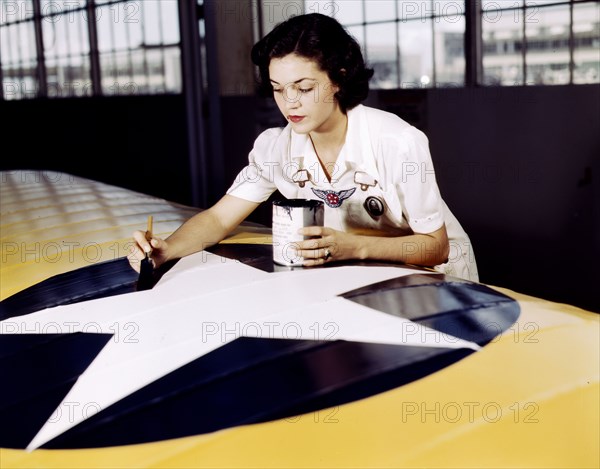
{"type": "Point", "coordinates": [383, 182]}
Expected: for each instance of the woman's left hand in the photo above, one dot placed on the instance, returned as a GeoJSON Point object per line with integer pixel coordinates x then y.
{"type": "Point", "coordinates": [328, 245]}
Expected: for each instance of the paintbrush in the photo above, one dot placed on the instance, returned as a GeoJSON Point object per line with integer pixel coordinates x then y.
{"type": "Point", "coordinates": [146, 278]}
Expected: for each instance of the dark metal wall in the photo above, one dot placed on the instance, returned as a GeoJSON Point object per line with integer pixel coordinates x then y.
{"type": "Point", "coordinates": [138, 142]}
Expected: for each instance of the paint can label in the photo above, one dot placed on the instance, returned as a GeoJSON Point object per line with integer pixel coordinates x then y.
{"type": "Point", "coordinates": [288, 217]}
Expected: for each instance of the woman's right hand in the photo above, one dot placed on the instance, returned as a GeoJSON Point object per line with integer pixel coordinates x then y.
{"type": "Point", "coordinates": [157, 248]}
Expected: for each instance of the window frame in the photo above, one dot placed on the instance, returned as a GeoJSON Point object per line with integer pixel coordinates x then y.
{"type": "Point", "coordinates": [431, 17]}
{"type": "Point", "coordinates": [92, 57]}
{"type": "Point", "coordinates": [473, 35]}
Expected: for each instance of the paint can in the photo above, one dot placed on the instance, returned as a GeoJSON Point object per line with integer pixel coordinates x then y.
{"type": "Point", "coordinates": [288, 217]}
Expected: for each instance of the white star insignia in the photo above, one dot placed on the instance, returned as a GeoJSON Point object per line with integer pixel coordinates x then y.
{"type": "Point", "coordinates": [203, 303]}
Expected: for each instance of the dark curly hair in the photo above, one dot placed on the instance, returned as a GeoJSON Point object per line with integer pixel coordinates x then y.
{"type": "Point", "coordinates": [320, 38]}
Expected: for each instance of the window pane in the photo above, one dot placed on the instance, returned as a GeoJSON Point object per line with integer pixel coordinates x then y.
{"type": "Point", "coordinates": [416, 54]}
{"type": "Point", "coordinates": [132, 12]}
{"type": "Point", "coordinates": [9, 86]}
{"type": "Point", "coordinates": [11, 73]}
{"type": "Point", "coordinates": [450, 51]}
{"type": "Point", "coordinates": [49, 38]}
{"type": "Point", "coordinates": [586, 31]}
{"type": "Point", "coordinates": [131, 34]}
{"type": "Point", "coordinates": [79, 76]}
{"type": "Point", "coordinates": [156, 79]}
{"type": "Point", "coordinates": [124, 67]}
{"type": "Point", "coordinates": [65, 76]}
{"type": "Point", "coordinates": [72, 82]}
{"type": "Point", "coordinates": [55, 39]}
{"type": "Point", "coordinates": [135, 32]}
{"type": "Point", "coordinates": [349, 11]}
{"type": "Point", "coordinates": [69, 74]}
{"type": "Point", "coordinates": [77, 33]}
{"type": "Point", "coordinates": [56, 74]}
{"type": "Point", "coordinates": [151, 18]}
{"type": "Point", "coordinates": [134, 26]}
{"type": "Point", "coordinates": [11, 83]}
{"type": "Point", "coordinates": [502, 49]}
{"type": "Point", "coordinates": [20, 81]}
{"type": "Point", "coordinates": [119, 29]}
{"type": "Point", "coordinates": [26, 41]}
{"type": "Point", "coordinates": [12, 42]}
{"type": "Point", "coordinates": [4, 46]}
{"type": "Point", "coordinates": [380, 10]}
{"type": "Point", "coordinates": [548, 56]}
{"type": "Point", "coordinates": [29, 83]}
{"type": "Point", "coordinates": [170, 22]}
{"type": "Point", "coordinates": [11, 11]}
{"type": "Point", "coordinates": [104, 21]}
{"type": "Point", "coordinates": [51, 77]}
{"type": "Point", "coordinates": [172, 70]}
{"type": "Point", "coordinates": [107, 72]}
{"type": "Point", "coordinates": [122, 23]}
{"type": "Point", "coordinates": [70, 38]}
{"type": "Point", "coordinates": [382, 54]}
{"type": "Point", "coordinates": [138, 59]}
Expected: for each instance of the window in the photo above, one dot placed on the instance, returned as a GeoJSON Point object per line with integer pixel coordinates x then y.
{"type": "Point", "coordinates": [422, 43]}
{"type": "Point", "coordinates": [66, 49]}
{"type": "Point", "coordinates": [138, 43]}
{"type": "Point", "coordinates": [409, 44]}
{"type": "Point", "coordinates": [73, 48]}
{"type": "Point", "coordinates": [18, 55]}
{"type": "Point", "coordinates": [586, 42]}
{"type": "Point", "coordinates": [543, 42]}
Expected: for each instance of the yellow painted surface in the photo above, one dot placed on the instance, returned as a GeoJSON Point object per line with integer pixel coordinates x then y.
{"type": "Point", "coordinates": [531, 398]}
{"type": "Point", "coordinates": [59, 223]}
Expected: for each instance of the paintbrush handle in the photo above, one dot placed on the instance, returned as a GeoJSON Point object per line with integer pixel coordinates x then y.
{"type": "Point", "coordinates": [149, 228]}
{"type": "Point", "coordinates": [149, 233]}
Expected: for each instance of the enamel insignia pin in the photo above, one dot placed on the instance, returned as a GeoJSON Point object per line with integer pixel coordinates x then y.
{"type": "Point", "coordinates": [334, 199]}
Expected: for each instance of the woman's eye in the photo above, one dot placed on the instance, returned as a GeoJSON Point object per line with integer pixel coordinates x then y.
{"type": "Point", "coordinates": [278, 90]}
{"type": "Point", "coordinates": [305, 90]}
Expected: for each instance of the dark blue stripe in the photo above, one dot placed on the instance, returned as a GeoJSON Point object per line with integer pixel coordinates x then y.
{"type": "Point", "coordinates": [255, 380]}
{"type": "Point", "coordinates": [470, 311]}
{"type": "Point", "coordinates": [37, 373]}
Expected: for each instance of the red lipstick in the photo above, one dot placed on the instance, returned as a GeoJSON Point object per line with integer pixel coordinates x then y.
{"type": "Point", "coordinates": [295, 119]}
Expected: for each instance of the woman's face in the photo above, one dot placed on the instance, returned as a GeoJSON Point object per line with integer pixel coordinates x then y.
{"type": "Point", "coordinates": [304, 94]}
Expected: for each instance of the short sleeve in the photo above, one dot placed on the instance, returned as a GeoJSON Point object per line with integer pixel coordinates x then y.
{"type": "Point", "coordinates": [414, 179]}
{"type": "Point", "coordinates": [256, 181]}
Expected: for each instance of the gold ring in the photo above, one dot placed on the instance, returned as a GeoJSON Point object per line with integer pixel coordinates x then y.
{"type": "Point", "coordinates": [327, 254]}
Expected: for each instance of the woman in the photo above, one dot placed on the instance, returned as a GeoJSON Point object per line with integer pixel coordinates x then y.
{"type": "Point", "coordinates": [372, 170]}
